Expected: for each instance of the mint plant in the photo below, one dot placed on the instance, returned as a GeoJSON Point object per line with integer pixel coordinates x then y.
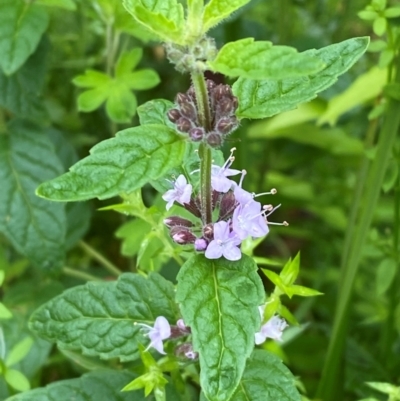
{"type": "Point", "coordinates": [204, 330]}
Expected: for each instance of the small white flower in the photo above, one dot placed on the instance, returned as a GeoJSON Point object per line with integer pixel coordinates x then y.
{"type": "Point", "coordinates": [272, 329]}
{"type": "Point", "coordinates": [161, 331]}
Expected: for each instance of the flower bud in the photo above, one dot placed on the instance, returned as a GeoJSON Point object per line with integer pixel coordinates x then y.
{"type": "Point", "coordinates": [225, 107]}
{"type": "Point", "coordinates": [227, 205]}
{"type": "Point", "coordinates": [225, 125]}
{"type": "Point", "coordinates": [208, 231]}
{"type": "Point", "coordinates": [210, 85]}
{"type": "Point", "coordinates": [186, 351]}
{"type": "Point", "coordinates": [214, 139]}
{"type": "Point", "coordinates": [196, 134]}
{"type": "Point", "coordinates": [182, 326]}
{"type": "Point", "coordinates": [182, 235]}
{"type": "Point", "coordinates": [193, 207]}
{"type": "Point", "coordinates": [174, 115]}
{"type": "Point", "coordinates": [188, 110]}
{"type": "Point", "coordinates": [173, 221]}
{"type": "Point", "coordinates": [200, 244]}
{"type": "Point", "coordinates": [182, 98]}
{"type": "Point", "coordinates": [222, 91]}
{"type": "Point", "coordinates": [184, 124]}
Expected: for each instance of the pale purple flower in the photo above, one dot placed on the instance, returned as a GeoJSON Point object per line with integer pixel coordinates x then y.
{"type": "Point", "coordinates": [181, 192]}
{"type": "Point", "coordinates": [219, 180]}
{"type": "Point", "coordinates": [241, 196]}
{"type": "Point", "coordinates": [248, 220]}
{"type": "Point", "coordinates": [272, 329]}
{"type": "Point", "coordinates": [200, 244]}
{"type": "Point", "coordinates": [225, 243]}
{"type": "Point", "coordinates": [161, 331]}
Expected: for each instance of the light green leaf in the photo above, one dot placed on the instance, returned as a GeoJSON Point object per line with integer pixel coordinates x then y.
{"type": "Point", "coordinates": [266, 378]}
{"type": "Point", "coordinates": [17, 380]}
{"type": "Point", "coordinates": [143, 79]}
{"type": "Point", "coordinates": [291, 270]}
{"type": "Point", "coordinates": [265, 98]}
{"type": "Point", "coordinates": [21, 27]}
{"type": "Point", "coordinates": [22, 95]}
{"type": "Point", "coordinates": [385, 274]}
{"type": "Point", "coordinates": [19, 351]}
{"type": "Point", "coordinates": [302, 291]}
{"type": "Point", "coordinates": [165, 19]}
{"type": "Point", "coordinates": [92, 99]}
{"type": "Point", "coordinates": [128, 61]}
{"type": "Point", "coordinates": [219, 300]}
{"type": "Point", "coordinates": [99, 319]}
{"type": "Point", "coordinates": [218, 10]}
{"type": "Point", "coordinates": [392, 90]}
{"type": "Point", "coordinates": [377, 45]}
{"type": "Point", "coordinates": [36, 228]}
{"type": "Point", "coordinates": [119, 165]}
{"type": "Point", "coordinates": [121, 104]}
{"type": "Point", "coordinates": [4, 312]}
{"type": "Point", "coordinates": [275, 279]}
{"type": "Point", "coordinates": [379, 26]}
{"type": "Point", "coordinates": [102, 385]}
{"type": "Point", "coordinates": [366, 87]}
{"type": "Point", "coordinates": [385, 388]}
{"type": "Point", "coordinates": [261, 60]}
{"type": "Point", "coordinates": [155, 112]}
{"type": "Point", "coordinates": [391, 174]}
{"type": "Point", "coordinates": [368, 15]}
{"type": "Point", "coordinates": [392, 12]}
{"type": "Point", "coordinates": [386, 57]}
{"type": "Point", "coordinates": [91, 79]}
{"type": "Point", "coordinates": [132, 234]}
{"type": "Point", "coordinates": [65, 4]}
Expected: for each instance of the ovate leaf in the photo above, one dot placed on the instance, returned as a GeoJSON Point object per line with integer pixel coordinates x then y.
{"type": "Point", "coordinates": [119, 165]}
{"type": "Point", "coordinates": [100, 386]}
{"type": "Point", "coordinates": [217, 10]}
{"type": "Point", "coordinates": [99, 319]}
{"type": "Point", "coordinates": [17, 380]}
{"type": "Point", "coordinates": [265, 98]}
{"type": "Point", "coordinates": [165, 19]}
{"type": "Point", "coordinates": [219, 300]}
{"type": "Point", "coordinates": [155, 112]}
{"type": "Point", "coordinates": [21, 27]}
{"type": "Point", "coordinates": [261, 60]}
{"type": "Point", "coordinates": [266, 378]}
{"type": "Point", "coordinates": [35, 227]}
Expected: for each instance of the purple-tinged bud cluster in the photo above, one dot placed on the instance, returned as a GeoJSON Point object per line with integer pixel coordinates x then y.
{"type": "Point", "coordinates": [239, 215]}
{"type": "Point", "coordinates": [222, 108]}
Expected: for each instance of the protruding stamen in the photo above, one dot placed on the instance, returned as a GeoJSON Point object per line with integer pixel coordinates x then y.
{"type": "Point", "coordinates": [244, 172]}
{"type": "Point", "coordinates": [285, 223]}
{"type": "Point", "coordinates": [272, 210]}
{"type": "Point", "coordinates": [272, 192]}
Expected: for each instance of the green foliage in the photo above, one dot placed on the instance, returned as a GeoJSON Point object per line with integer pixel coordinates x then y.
{"type": "Point", "coordinates": [99, 318]}
{"type": "Point", "coordinates": [155, 112]}
{"type": "Point", "coordinates": [261, 60]}
{"type": "Point", "coordinates": [219, 300]}
{"type": "Point", "coordinates": [21, 27]}
{"type": "Point", "coordinates": [35, 227]}
{"type": "Point", "coordinates": [163, 19]}
{"type": "Point", "coordinates": [121, 103]}
{"type": "Point", "coordinates": [119, 165]}
{"type": "Point", "coordinates": [265, 98]}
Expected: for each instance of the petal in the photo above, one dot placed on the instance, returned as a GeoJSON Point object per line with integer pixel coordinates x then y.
{"type": "Point", "coordinates": [228, 172]}
{"type": "Point", "coordinates": [232, 252]}
{"type": "Point", "coordinates": [162, 326]}
{"type": "Point", "coordinates": [180, 181]}
{"type": "Point", "coordinates": [221, 231]}
{"type": "Point", "coordinates": [159, 346]}
{"type": "Point", "coordinates": [187, 193]}
{"type": "Point", "coordinates": [259, 338]}
{"type": "Point", "coordinates": [213, 251]}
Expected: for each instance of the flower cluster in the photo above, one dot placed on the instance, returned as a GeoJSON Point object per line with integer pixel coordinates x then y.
{"type": "Point", "coordinates": [239, 215]}
{"type": "Point", "coordinates": [222, 107]}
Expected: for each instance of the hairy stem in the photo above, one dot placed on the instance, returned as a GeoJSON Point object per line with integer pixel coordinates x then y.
{"type": "Point", "coordinates": [79, 274]}
{"type": "Point", "coordinates": [203, 108]}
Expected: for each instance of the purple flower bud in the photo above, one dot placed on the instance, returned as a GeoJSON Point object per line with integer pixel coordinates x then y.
{"type": "Point", "coordinates": [208, 231]}
{"type": "Point", "coordinates": [173, 221]}
{"type": "Point", "coordinates": [193, 207]}
{"type": "Point", "coordinates": [188, 110]}
{"type": "Point", "coordinates": [214, 198]}
{"type": "Point", "coordinates": [227, 206]}
{"type": "Point", "coordinates": [200, 244]}
{"type": "Point", "coordinates": [182, 98]}
{"type": "Point", "coordinates": [225, 125]}
{"type": "Point", "coordinates": [214, 139]}
{"type": "Point", "coordinates": [174, 115]}
{"type": "Point", "coordinates": [182, 326]}
{"type": "Point", "coordinates": [225, 107]}
{"type": "Point", "coordinates": [222, 91]}
{"type": "Point", "coordinates": [196, 134]}
{"type": "Point", "coordinates": [184, 124]}
{"type": "Point", "coordinates": [210, 85]}
{"type": "Point", "coordinates": [182, 235]}
{"type": "Point", "coordinates": [186, 351]}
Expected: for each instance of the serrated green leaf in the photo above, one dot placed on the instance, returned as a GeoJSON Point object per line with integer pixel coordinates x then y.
{"type": "Point", "coordinates": [36, 228]}
{"type": "Point", "coordinates": [19, 351]}
{"type": "Point", "coordinates": [65, 4]}
{"type": "Point", "coordinates": [219, 300]}
{"type": "Point", "coordinates": [99, 319]}
{"type": "Point", "coordinates": [155, 112]}
{"type": "Point", "coordinates": [265, 98]}
{"type": "Point", "coordinates": [366, 87]}
{"type": "Point", "coordinates": [119, 165]}
{"type": "Point", "coordinates": [266, 378]}
{"type": "Point", "coordinates": [17, 380]}
{"type": "Point", "coordinates": [22, 95]}
{"type": "Point", "coordinates": [261, 60]}
{"type": "Point", "coordinates": [97, 386]}
{"type": "Point", "coordinates": [165, 19]}
{"type": "Point", "coordinates": [21, 27]}
{"type": "Point", "coordinates": [385, 274]}
{"type": "Point", "coordinates": [217, 10]}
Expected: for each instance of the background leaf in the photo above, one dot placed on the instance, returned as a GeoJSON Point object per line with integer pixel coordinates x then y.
{"type": "Point", "coordinates": [21, 27]}
{"type": "Point", "coordinates": [35, 227]}
{"type": "Point", "coordinates": [121, 164]}
{"type": "Point", "coordinates": [99, 318]}
{"type": "Point", "coordinates": [219, 300]}
{"type": "Point", "coordinates": [265, 98]}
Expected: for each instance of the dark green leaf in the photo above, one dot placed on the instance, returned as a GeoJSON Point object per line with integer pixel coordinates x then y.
{"type": "Point", "coordinates": [119, 165]}
{"type": "Point", "coordinates": [35, 227]}
{"type": "Point", "coordinates": [219, 300]}
{"type": "Point", "coordinates": [19, 93]}
{"type": "Point", "coordinates": [265, 98]}
{"type": "Point", "coordinates": [99, 319]}
{"type": "Point", "coordinates": [21, 27]}
{"type": "Point", "coordinates": [261, 60]}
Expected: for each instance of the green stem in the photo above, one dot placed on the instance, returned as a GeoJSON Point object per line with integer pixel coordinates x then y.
{"type": "Point", "coordinates": [100, 258]}
{"type": "Point", "coordinates": [203, 108]}
{"type": "Point", "coordinates": [330, 388]}
{"type": "Point", "coordinates": [79, 274]}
